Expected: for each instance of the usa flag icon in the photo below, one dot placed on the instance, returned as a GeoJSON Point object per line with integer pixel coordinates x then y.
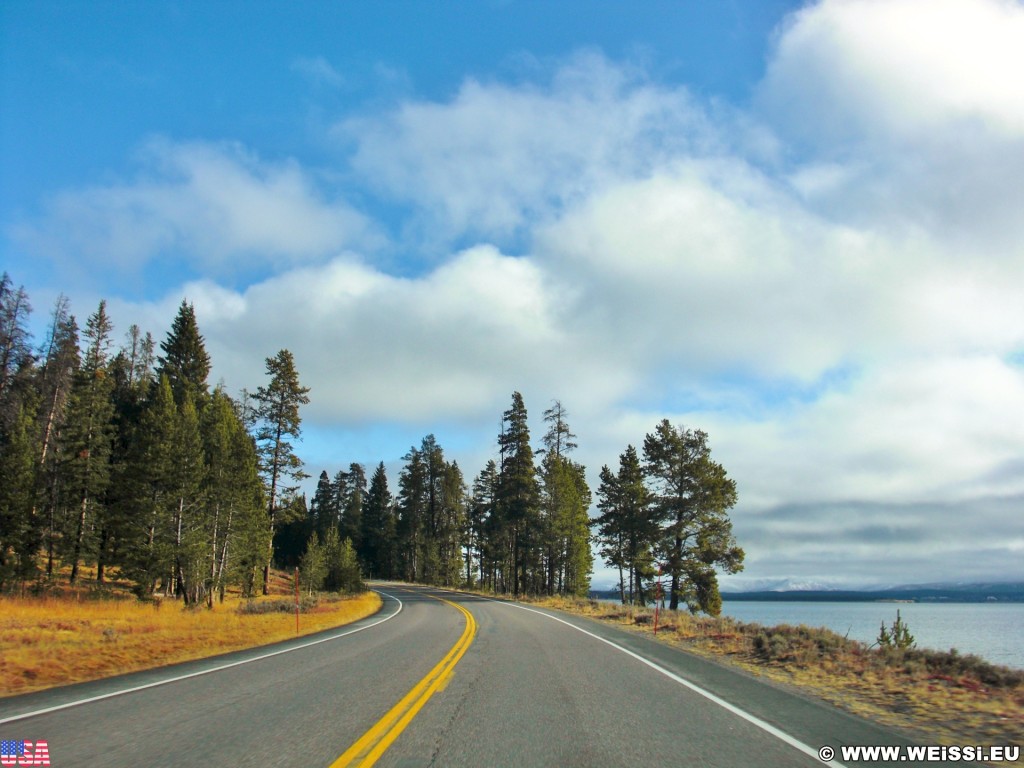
{"type": "Point", "coordinates": [24, 753]}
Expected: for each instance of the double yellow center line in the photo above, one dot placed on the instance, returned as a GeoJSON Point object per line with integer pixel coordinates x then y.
{"type": "Point", "coordinates": [372, 744]}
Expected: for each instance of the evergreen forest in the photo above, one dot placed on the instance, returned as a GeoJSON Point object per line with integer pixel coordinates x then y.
{"type": "Point", "coordinates": [118, 455]}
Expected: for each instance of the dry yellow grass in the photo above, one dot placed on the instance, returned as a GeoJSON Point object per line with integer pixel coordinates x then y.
{"type": "Point", "coordinates": [57, 640]}
{"type": "Point", "coordinates": [901, 690]}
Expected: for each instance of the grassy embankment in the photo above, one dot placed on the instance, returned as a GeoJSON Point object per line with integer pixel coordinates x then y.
{"type": "Point", "coordinates": [89, 633]}
{"type": "Point", "coordinates": [934, 695]}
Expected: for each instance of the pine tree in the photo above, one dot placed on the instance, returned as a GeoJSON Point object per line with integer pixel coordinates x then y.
{"type": "Point", "coordinates": [60, 356]}
{"type": "Point", "coordinates": [627, 526]}
{"type": "Point", "coordinates": [412, 512]}
{"type": "Point", "coordinates": [90, 415]}
{"type": "Point", "coordinates": [451, 526]}
{"type": "Point", "coordinates": [692, 495]}
{"type": "Point", "coordinates": [20, 529]}
{"type": "Point", "coordinates": [559, 439]}
{"type": "Point", "coordinates": [277, 407]}
{"type": "Point", "coordinates": [579, 558]}
{"type": "Point", "coordinates": [148, 487]}
{"type": "Point", "coordinates": [518, 497]}
{"type": "Point", "coordinates": [15, 350]}
{"type": "Point", "coordinates": [60, 361]}
{"type": "Point", "coordinates": [295, 523]}
{"type": "Point", "coordinates": [313, 566]}
{"type": "Point", "coordinates": [351, 496]}
{"type": "Point", "coordinates": [378, 528]}
{"type": "Point", "coordinates": [565, 498]}
{"type": "Point", "coordinates": [132, 373]}
{"type": "Point", "coordinates": [185, 362]}
{"type": "Point", "coordinates": [139, 354]}
{"type": "Point", "coordinates": [341, 564]}
{"type": "Point", "coordinates": [188, 470]}
{"type": "Point", "coordinates": [323, 509]}
{"type": "Point", "coordinates": [233, 492]}
{"type": "Point", "coordinates": [432, 541]}
{"type": "Point", "coordinates": [484, 528]}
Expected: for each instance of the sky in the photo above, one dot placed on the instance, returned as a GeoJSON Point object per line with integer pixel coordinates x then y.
{"type": "Point", "coordinates": [796, 226]}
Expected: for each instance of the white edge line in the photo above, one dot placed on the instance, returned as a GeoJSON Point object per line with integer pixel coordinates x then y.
{"type": "Point", "coordinates": [229, 665]}
{"type": "Point", "coordinates": [753, 720]}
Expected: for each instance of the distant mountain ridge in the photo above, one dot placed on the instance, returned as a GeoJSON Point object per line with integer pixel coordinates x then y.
{"type": "Point", "coordinates": [963, 592]}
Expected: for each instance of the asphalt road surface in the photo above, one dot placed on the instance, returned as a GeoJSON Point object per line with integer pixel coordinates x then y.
{"type": "Point", "coordinates": [425, 683]}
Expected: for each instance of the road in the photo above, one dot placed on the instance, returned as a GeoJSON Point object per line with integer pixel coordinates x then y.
{"type": "Point", "coordinates": [496, 684]}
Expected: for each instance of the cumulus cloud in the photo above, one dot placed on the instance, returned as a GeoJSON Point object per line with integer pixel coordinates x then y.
{"type": "Point", "coordinates": [449, 344]}
{"type": "Point", "coordinates": [907, 113]}
{"type": "Point", "coordinates": [497, 157]}
{"type": "Point", "coordinates": [846, 69]}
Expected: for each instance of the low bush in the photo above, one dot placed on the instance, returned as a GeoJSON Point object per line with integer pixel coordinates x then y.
{"type": "Point", "coordinates": [952, 664]}
{"type": "Point", "coordinates": [260, 607]}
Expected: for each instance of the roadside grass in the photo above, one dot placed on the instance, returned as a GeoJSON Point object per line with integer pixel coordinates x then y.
{"type": "Point", "coordinates": [88, 633]}
{"type": "Point", "coordinates": [937, 695]}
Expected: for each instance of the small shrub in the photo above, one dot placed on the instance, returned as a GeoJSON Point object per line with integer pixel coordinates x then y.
{"type": "Point", "coordinates": [896, 636]}
{"type": "Point", "coordinates": [771, 645]}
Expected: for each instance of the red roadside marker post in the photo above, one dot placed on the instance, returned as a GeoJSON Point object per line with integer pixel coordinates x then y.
{"type": "Point", "coordinates": [296, 601]}
{"type": "Point", "coordinates": [657, 600]}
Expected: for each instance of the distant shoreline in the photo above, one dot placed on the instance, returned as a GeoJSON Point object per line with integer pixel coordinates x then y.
{"type": "Point", "coordinates": [864, 597]}
{"type": "Point", "coordinates": [1012, 592]}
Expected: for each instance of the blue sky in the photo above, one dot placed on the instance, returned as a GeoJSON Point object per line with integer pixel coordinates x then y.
{"type": "Point", "coordinates": [794, 225]}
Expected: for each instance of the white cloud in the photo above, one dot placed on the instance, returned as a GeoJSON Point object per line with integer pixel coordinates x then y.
{"type": "Point", "coordinates": [213, 206]}
{"type": "Point", "coordinates": [930, 430]}
{"type": "Point", "coordinates": [450, 344]}
{"type": "Point", "coordinates": [906, 113]}
{"type": "Point", "coordinates": [899, 68]}
{"type": "Point", "coordinates": [498, 157]}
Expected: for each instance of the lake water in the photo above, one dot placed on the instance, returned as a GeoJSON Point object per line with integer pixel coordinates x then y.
{"type": "Point", "coordinates": [994, 631]}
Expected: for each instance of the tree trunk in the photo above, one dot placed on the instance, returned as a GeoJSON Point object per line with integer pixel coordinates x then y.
{"type": "Point", "coordinates": [79, 535]}
{"type": "Point", "coordinates": [676, 565]}
{"type": "Point", "coordinates": [224, 556]}
{"type": "Point", "coordinates": [101, 558]}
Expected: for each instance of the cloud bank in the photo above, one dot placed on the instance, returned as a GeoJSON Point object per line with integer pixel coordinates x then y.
{"type": "Point", "coordinates": [826, 279]}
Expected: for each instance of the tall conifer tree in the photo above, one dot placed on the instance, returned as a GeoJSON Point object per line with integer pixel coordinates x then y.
{"type": "Point", "coordinates": [185, 361]}
{"type": "Point", "coordinates": [628, 526]}
{"type": "Point", "coordinates": [484, 528]}
{"type": "Point", "coordinates": [518, 496]}
{"type": "Point", "coordinates": [150, 490]}
{"type": "Point", "coordinates": [20, 529]}
{"type": "Point", "coordinates": [188, 469]}
{"type": "Point", "coordinates": [54, 380]}
{"type": "Point", "coordinates": [232, 491]}
{"type": "Point", "coordinates": [277, 408]}
{"type": "Point", "coordinates": [89, 436]}
{"type": "Point", "coordinates": [564, 504]}
{"type": "Point", "coordinates": [378, 527]}
{"type": "Point", "coordinates": [351, 497]}
{"type": "Point", "coordinates": [323, 508]}
{"type": "Point", "coordinates": [15, 350]}
{"type": "Point", "coordinates": [412, 513]}
{"type": "Point", "coordinates": [693, 495]}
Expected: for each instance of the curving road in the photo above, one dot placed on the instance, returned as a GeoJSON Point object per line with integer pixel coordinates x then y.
{"type": "Point", "coordinates": [424, 683]}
